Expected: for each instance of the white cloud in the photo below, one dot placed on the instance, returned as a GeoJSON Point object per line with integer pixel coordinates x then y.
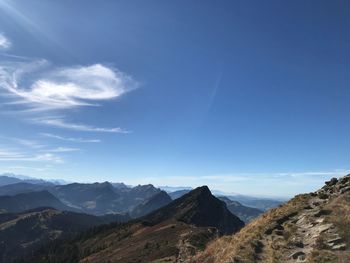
{"type": "Point", "coordinates": [61, 123]}
{"type": "Point", "coordinates": [24, 142]}
{"type": "Point", "coordinates": [11, 155]}
{"type": "Point", "coordinates": [62, 150]}
{"type": "Point", "coordinates": [43, 88]}
{"type": "Point", "coordinates": [4, 42]}
{"type": "Point", "coordinates": [69, 139]}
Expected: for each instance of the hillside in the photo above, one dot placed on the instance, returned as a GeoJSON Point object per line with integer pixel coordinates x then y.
{"type": "Point", "coordinates": [22, 233]}
{"type": "Point", "coordinates": [170, 234]}
{"type": "Point", "coordinates": [309, 228]}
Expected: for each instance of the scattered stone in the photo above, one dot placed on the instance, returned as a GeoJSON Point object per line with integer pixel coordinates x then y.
{"type": "Point", "coordinates": [278, 232]}
{"type": "Point", "coordinates": [334, 240]}
{"type": "Point", "coordinates": [322, 212]}
{"type": "Point", "coordinates": [299, 255]}
{"type": "Point", "coordinates": [332, 182]}
{"type": "Point", "coordinates": [345, 189]}
{"type": "Point", "coordinates": [316, 203]}
{"type": "Point", "coordinates": [298, 244]}
{"type": "Point", "coordinates": [323, 228]}
{"type": "Point", "coordinates": [323, 195]}
{"type": "Point", "coordinates": [339, 247]}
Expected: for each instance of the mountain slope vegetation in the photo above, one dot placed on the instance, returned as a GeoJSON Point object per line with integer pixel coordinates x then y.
{"type": "Point", "coordinates": [22, 233]}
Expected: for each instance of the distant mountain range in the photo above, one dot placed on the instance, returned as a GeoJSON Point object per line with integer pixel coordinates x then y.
{"type": "Point", "coordinates": [172, 233]}
{"type": "Point", "coordinates": [243, 212]}
{"type": "Point", "coordinates": [35, 212]}
{"type": "Point", "coordinates": [96, 198]}
{"type": "Point", "coordinates": [103, 198]}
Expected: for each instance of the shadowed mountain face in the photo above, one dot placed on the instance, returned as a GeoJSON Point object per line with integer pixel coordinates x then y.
{"type": "Point", "coordinates": [199, 207]}
{"type": "Point", "coordinates": [22, 233]}
{"type": "Point", "coordinates": [26, 201]}
{"type": "Point", "coordinates": [156, 201]}
{"type": "Point", "coordinates": [309, 228]}
{"type": "Point", "coordinates": [170, 234]}
{"type": "Point", "coordinates": [243, 212]}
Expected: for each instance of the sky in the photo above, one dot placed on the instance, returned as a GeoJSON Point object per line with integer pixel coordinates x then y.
{"type": "Point", "coordinates": [247, 97]}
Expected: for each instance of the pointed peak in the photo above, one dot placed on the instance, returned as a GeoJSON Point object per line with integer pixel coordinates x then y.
{"type": "Point", "coordinates": [198, 207]}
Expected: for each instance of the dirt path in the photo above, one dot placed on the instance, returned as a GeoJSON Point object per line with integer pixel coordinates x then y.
{"type": "Point", "coordinates": [308, 229]}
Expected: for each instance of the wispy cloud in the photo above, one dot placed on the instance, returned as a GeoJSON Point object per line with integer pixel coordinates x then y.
{"type": "Point", "coordinates": [41, 87]}
{"type": "Point", "coordinates": [61, 123]}
{"type": "Point", "coordinates": [24, 142]}
{"type": "Point", "coordinates": [4, 42]}
{"type": "Point", "coordinates": [27, 168]}
{"type": "Point", "coordinates": [62, 150]}
{"type": "Point", "coordinates": [11, 155]}
{"type": "Point", "coordinates": [70, 139]}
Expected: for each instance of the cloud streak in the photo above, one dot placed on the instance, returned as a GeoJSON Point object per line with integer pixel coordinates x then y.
{"type": "Point", "coordinates": [70, 139]}
{"type": "Point", "coordinates": [10, 155]}
{"type": "Point", "coordinates": [61, 123]}
{"type": "Point", "coordinates": [62, 150]}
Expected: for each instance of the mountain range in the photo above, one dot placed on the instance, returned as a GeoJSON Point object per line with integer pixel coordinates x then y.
{"type": "Point", "coordinates": [104, 198]}
{"type": "Point", "coordinates": [173, 233]}
{"type": "Point", "coordinates": [195, 227]}
{"type": "Point", "coordinates": [34, 213]}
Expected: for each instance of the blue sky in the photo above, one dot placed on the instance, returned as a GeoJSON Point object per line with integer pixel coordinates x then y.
{"type": "Point", "coordinates": [244, 96]}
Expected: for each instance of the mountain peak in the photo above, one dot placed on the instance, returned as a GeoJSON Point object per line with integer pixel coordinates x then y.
{"type": "Point", "coordinates": [198, 207]}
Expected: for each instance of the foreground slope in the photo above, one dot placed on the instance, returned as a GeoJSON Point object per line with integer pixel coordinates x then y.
{"type": "Point", "coordinates": [173, 233]}
{"type": "Point", "coordinates": [309, 228]}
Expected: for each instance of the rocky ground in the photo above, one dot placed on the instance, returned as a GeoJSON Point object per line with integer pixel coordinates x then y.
{"type": "Point", "coordinates": [311, 227]}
